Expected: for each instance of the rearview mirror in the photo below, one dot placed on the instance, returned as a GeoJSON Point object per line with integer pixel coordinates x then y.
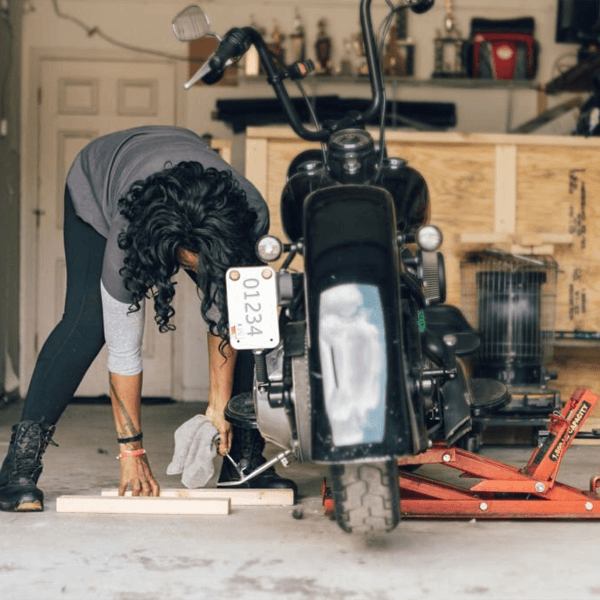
{"type": "Point", "coordinates": [192, 24]}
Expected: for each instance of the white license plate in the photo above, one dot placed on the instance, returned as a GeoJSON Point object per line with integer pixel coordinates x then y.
{"type": "Point", "coordinates": [252, 308]}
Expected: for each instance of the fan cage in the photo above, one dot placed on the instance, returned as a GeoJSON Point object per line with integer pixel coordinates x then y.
{"type": "Point", "coordinates": [510, 300]}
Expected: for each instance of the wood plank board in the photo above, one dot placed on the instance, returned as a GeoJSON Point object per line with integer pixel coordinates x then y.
{"type": "Point", "coordinates": [279, 132]}
{"type": "Point", "coordinates": [238, 497]}
{"type": "Point", "coordinates": [143, 505]}
{"type": "Point", "coordinates": [578, 297]}
{"type": "Point", "coordinates": [461, 184]}
{"type": "Point", "coordinates": [577, 366]}
{"type": "Point", "coordinates": [558, 192]}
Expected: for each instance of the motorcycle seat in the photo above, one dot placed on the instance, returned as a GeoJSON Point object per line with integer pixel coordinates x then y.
{"type": "Point", "coordinates": [445, 319]}
{"type": "Point", "coordinates": [487, 396]}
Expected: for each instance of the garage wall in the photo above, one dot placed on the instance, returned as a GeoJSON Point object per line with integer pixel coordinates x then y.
{"type": "Point", "coordinates": [147, 24]}
{"type": "Point", "coordinates": [10, 55]}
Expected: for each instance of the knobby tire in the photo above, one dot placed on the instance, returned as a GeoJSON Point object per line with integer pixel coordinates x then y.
{"type": "Point", "coordinates": [366, 496]}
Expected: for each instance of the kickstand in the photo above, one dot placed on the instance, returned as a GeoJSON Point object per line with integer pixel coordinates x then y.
{"type": "Point", "coordinates": [282, 457]}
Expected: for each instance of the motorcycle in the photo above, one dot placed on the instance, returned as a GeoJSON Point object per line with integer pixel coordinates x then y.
{"type": "Point", "coordinates": [358, 360]}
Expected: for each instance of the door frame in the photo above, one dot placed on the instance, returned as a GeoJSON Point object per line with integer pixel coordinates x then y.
{"type": "Point", "coordinates": [30, 145]}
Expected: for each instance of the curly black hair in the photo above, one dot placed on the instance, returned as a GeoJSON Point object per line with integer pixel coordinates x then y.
{"type": "Point", "coordinates": [185, 207]}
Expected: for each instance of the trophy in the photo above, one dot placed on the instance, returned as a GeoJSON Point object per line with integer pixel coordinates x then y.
{"type": "Point", "coordinates": [323, 49]}
{"type": "Point", "coordinates": [298, 40]}
{"type": "Point", "coordinates": [359, 48]}
{"type": "Point", "coordinates": [398, 59]}
{"type": "Point", "coordinates": [346, 68]}
{"type": "Point", "coordinates": [275, 45]}
{"type": "Point", "coordinates": [448, 47]}
{"type": "Point", "coordinates": [252, 65]}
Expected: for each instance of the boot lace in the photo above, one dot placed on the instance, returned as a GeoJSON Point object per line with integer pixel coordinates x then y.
{"type": "Point", "coordinates": [31, 441]}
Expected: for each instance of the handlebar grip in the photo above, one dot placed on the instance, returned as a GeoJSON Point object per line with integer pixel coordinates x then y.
{"type": "Point", "coordinates": [234, 44]}
{"type": "Point", "coordinates": [421, 6]}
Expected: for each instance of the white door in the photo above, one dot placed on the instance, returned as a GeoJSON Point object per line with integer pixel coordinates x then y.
{"type": "Point", "coordinates": [80, 100]}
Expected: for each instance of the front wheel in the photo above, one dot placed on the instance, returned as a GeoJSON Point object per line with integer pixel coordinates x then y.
{"type": "Point", "coordinates": [366, 496]}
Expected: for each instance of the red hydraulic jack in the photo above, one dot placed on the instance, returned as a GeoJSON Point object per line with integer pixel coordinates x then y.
{"type": "Point", "coordinates": [502, 491]}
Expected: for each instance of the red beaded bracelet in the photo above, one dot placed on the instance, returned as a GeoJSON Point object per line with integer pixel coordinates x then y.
{"type": "Point", "coordinates": [130, 453]}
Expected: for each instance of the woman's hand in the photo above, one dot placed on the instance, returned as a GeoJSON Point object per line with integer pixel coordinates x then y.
{"type": "Point", "coordinates": [217, 418]}
{"type": "Point", "coordinates": [221, 384]}
{"type": "Point", "coordinates": [125, 395]}
{"type": "Point", "coordinates": [136, 473]}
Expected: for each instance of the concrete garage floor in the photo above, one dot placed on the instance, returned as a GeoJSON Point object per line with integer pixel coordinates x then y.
{"type": "Point", "coordinates": [265, 553]}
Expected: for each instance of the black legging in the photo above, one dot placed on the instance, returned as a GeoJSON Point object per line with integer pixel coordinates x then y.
{"type": "Point", "coordinates": [75, 342]}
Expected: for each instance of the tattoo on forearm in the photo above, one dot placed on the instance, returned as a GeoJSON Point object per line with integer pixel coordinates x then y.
{"type": "Point", "coordinates": [130, 428]}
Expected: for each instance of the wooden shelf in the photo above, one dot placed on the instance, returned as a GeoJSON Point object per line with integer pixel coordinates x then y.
{"type": "Point", "coordinates": [576, 343]}
{"type": "Point", "coordinates": [446, 82]}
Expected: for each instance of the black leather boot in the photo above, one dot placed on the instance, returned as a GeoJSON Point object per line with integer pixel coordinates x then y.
{"type": "Point", "coordinates": [22, 467]}
{"type": "Point", "coordinates": [246, 450]}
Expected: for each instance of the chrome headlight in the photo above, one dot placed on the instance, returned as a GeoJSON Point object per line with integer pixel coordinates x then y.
{"type": "Point", "coordinates": [429, 238]}
{"type": "Point", "coordinates": [269, 248]}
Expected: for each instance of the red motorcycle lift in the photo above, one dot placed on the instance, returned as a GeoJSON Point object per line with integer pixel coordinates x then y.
{"type": "Point", "coordinates": [503, 491]}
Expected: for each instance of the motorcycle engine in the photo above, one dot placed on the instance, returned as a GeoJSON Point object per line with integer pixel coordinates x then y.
{"type": "Point", "coordinates": [283, 407]}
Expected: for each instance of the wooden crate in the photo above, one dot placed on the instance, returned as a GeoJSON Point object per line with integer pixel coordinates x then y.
{"type": "Point", "coordinates": [516, 192]}
{"type": "Point", "coordinates": [223, 148]}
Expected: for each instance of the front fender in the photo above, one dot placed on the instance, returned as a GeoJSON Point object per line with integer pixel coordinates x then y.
{"type": "Point", "coordinates": [360, 403]}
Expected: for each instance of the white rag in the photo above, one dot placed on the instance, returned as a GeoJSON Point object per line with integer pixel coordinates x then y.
{"type": "Point", "coordinates": [194, 452]}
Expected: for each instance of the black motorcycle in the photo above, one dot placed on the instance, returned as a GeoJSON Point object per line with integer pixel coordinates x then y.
{"type": "Point", "coordinates": [357, 358]}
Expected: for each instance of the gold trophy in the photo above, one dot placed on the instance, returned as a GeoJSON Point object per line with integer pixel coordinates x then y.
{"type": "Point", "coordinates": [359, 48]}
{"type": "Point", "coordinates": [275, 44]}
{"type": "Point", "coordinates": [298, 40]}
{"type": "Point", "coordinates": [398, 59]}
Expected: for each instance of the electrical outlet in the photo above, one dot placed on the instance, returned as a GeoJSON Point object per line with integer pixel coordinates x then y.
{"type": "Point", "coordinates": [3, 127]}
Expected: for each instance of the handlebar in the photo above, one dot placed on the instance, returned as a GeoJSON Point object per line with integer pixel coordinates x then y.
{"type": "Point", "coordinates": [276, 78]}
{"type": "Point", "coordinates": [237, 41]}
{"type": "Point", "coordinates": [372, 56]}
